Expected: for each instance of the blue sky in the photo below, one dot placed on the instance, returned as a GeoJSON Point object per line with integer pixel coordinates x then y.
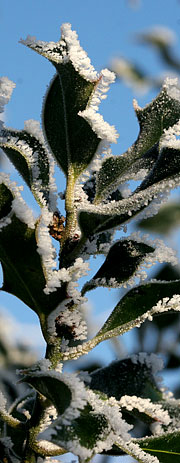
{"type": "Point", "coordinates": [106, 29]}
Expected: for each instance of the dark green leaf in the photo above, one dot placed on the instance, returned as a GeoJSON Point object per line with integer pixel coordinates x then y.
{"type": "Point", "coordinates": [84, 430]}
{"type": "Point", "coordinates": [106, 216]}
{"type": "Point", "coordinates": [68, 94]}
{"type": "Point", "coordinates": [21, 147]}
{"type": "Point", "coordinates": [22, 269]}
{"type": "Point", "coordinates": [130, 311]}
{"type": "Point", "coordinates": [167, 165]}
{"type": "Point", "coordinates": [166, 448]}
{"type": "Point", "coordinates": [52, 388]}
{"type": "Point", "coordinates": [121, 263]}
{"type": "Point", "coordinates": [163, 112]}
{"type": "Point", "coordinates": [125, 377]}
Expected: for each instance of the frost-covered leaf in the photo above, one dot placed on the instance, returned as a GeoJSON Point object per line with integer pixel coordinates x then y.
{"type": "Point", "coordinates": [72, 101]}
{"type": "Point", "coordinates": [81, 436]}
{"type": "Point", "coordinates": [163, 112]}
{"type": "Point", "coordinates": [30, 157]}
{"type": "Point", "coordinates": [101, 217]}
{"type": "Point", "coordinates": [165, 220]}
{"type": "Point", "coordinates": [126, 377]}
{"type": "Point", "coordinates": [121, 263]}
{"type": "Point", "coordinates": [167, 165]}
{"type": "Point", "coordinates": [166, 447]}
{"type": "Point", "coordinates": [62, 123]}
{"type": "Point", "coordinates": [52, 388]}
{"type": "Point", "coordinates": [22, 269]}
{"type": "Point", "coordinates": [139, 304]}
{"type": "Point", "coordinates": [96, 427]}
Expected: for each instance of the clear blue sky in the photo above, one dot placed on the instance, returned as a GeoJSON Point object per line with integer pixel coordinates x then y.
{"type": "Point", "coordinates": [106, 29]}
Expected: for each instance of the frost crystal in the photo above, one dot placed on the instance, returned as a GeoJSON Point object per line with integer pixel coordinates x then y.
{"type": "Point", "coordinates": [73, 320]}
{"type": "Point", "coordinates": [170, 85]}
{"type": "Point", "coordinates": [168, 139]}
{"type": "Point", "coordinates": [19, 207]}
{"type": "Point", "coordinates": [155, 411]}
{"type": "Point", "coordinates": [44, 241]}
{"type": "Point", "coordinates": [135, 451]}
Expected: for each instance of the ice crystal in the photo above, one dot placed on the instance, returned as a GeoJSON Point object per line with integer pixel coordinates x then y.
{"type": "Point", "coordinates": [156, 411]}
{"type": "Point", "coordinates": [19, 207]}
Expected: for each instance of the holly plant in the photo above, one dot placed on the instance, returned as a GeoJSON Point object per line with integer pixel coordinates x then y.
{"type": "Point", "coordinates": [121, 408]}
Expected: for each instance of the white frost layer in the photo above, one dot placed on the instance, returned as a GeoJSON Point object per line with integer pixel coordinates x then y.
{"type": "Point", "coordinates": [135, 202]}
{"type": "Point", "coordinates": [6, 89]}
{"type": "Point", "coordinates": [110, 410]}
{"type": "Point", "coordinates": [169, 138]}
{"type": "Point", "coordinates": [161, 253]}
{"type": "Point", "coordinates": [19, 207]}
{"type": "Point", "coordinates": [44, 241]}
{"type": "Point", "coordinates": [162, 306]}
{"type": "Point", "coordinates": [73, 319]}
{"type": "Point", "coordinates": [135, 451]}
{"type": "Point", "coordinates": [68, 48]}
{"type": "Point", "coordinates": [151, 409]}
{"type": "Point", "coordinates": [71, 275]}
{"type": "Point", "coordinates": [32, 156]}
{"type": "Point", "coordinates": [99, 126]}
{"type": "Point", "coordinates": [33, 128]}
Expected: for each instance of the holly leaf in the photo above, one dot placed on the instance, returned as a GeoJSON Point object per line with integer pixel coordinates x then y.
{"type": "Point", "coordinates": [102, 217]}
{"type": "Point", "coordinates": [126, 377]}
{"type": "Point", "coordinates": [52, 387]}
{"type": "Point", "coordinates": [68, 94]}
{"type": "Point", "coordinates": [136, 306]}
{"type": "Point", "coordinates": [17, 248]}
{"type": "Point", "coordinates": [123, 259]}
{"type": "Point", "coordinates": [30, 158]}
{"type": "Point", "coordinates": [163, 112]}
{"type": "Point", "coordinates": [167, 165]}
{"type": "Point", "coordinates": [166, 447]}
